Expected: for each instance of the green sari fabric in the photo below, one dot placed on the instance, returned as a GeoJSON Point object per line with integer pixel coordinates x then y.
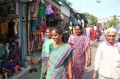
{"type": "Point", "coordinates": [47, 47]}
{"type": "Point", "coordinates": [58, 57]}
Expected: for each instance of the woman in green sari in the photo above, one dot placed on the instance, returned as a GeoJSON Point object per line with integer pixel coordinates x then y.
{"type": "Point", "coordinates": [59, 63]}
{"type": "Point", "coordinates": [46, 48]}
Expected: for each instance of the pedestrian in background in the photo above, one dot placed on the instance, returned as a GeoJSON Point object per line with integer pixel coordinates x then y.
{"type": "Point", "coordinates": [98, 34]}
{"type": "Point", "coordinates": [80, 43]}
{"type": "Point", "coordinates": [118, 31]}
{"type": "Point", "coordinates": [92, 33]}
{"type": "Point", "coordinates": [107, 59]}
{"type": "Point", "coordinates": [45, 50]}
{"type": "Point", "coordinates": [88, 32]}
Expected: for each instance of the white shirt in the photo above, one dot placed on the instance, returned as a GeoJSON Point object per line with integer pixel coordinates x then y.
{"type": "Point", "coordinates": [88, 30]}
{"type": "Point", "coordinates": [107, 61]}
{"type": "Point", "coordinates": [95, 27]}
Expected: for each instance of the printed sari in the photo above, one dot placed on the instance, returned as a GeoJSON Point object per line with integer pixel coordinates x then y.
{"type": "Point", "coordinates": [79, 45]}
{"type": "Point", "coordinates": [58, 58]}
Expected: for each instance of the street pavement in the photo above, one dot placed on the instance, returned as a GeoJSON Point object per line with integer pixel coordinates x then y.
{"type": "Point", "coordinates": [88, 70]}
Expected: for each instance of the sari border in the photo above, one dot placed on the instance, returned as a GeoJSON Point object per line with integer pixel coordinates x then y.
{"type": "Point", "coordinates": [63, 57]}
{"type": "Point", "coordinates": [56, 75]}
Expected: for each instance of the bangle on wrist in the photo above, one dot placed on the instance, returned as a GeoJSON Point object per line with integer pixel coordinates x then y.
{"type": "Point", "coordinates": [89, 58]}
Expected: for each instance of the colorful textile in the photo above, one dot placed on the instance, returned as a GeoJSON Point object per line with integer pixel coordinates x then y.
{"type": "Point", "coordinates": [8, 67]}
{"type": "Point", "coordinates": [92, 34]}
{"type": "Point", "coordinates": [49, 10]}
{"type": "Point", "coordinates": [98, 33]}
{"type": "Point", "coordinates": [34, 25]}
{"type": "Point", "coordinates": [41, 11]}
{"type": "Point", "coordinates": [47, 47]}
{"type": "Point", "coordinates": [79, 45]}
{"type": "Point", "coordinates": [57, 68]}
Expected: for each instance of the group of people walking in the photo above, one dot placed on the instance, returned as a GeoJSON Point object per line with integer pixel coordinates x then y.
{"type": "Point", "coordinates": [63, 59]}
{"type": "Point", "coordinates": [94, 33]}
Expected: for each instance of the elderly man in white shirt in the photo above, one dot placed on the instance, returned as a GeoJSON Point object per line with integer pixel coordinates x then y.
{"type": "Point", "coordinates": [107, 59]}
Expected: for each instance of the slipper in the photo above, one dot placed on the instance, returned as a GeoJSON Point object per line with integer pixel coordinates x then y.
{"type": "Point", "coordinates": [34, 69]}
{"type": "Point", "coordinates": [30, 71]}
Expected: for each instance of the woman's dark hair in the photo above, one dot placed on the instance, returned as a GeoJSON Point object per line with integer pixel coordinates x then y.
{"type": "Point", "coordinates": [12, 46]}
{"type": "Point", "coordinates": [60, 32]}
{"type": "Point", "coordinates": [50, 29]}
{"type": "Point", "coordinates": [79, 26]}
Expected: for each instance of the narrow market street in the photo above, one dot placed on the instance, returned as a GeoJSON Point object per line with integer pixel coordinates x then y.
{"type": "Point", "coordinates": [32, 31]}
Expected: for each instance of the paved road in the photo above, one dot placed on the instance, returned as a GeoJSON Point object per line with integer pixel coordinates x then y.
{"type": "Point", "coordinates": [88, 70]}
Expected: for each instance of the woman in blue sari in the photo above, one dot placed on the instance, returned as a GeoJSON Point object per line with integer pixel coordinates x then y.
{"type": "Point", "coordinates": [60, 64]}
{"type": "Point", "coordinates": [8, 65]}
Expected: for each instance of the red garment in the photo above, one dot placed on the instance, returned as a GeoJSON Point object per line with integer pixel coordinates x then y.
{"type": "Point", "coordinates": [92, 35]}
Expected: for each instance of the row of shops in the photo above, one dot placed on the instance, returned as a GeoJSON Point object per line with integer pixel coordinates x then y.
{"type": "Point", "coordinates": [25, 21]}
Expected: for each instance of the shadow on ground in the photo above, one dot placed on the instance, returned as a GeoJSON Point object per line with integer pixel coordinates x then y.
{"type": "Point", "coordinates": [88, 74]}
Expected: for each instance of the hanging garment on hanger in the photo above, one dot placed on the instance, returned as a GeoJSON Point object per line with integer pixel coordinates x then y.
{"type": "Point", "coordinates": [36, 7]}
{"type": "Point", "coordinates": [34, 25]}
{"type": "Point", "coordinates": [16, 28]}
{"type": "Point", "coordinates": [45, 25]}
{"type": "Point", "coordinates": [11, 31]}
{"type": "Point", "coordinates": [41, 22]}
{"type": "Point", "coordinates": [49, 9]}
{"type": "Point", "coordinates": [41, 11]}
{"type": "Point", "coordinates": [1, 28]}
{"type": "Point", "coordinates": [5, 27]}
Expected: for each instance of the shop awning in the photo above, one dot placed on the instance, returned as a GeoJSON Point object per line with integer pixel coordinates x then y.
{"type": "Point", "coordinates": [82, 16]}
{"type": "Point", "coordinates": [65, 2]}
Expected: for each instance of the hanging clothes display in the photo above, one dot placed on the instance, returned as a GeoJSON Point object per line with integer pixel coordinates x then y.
{"type": "Point", "coordinates": [11, 29]}
{"type": "Point", "coordinates": [36, 7]}
{"type": "Point", "coordinates": [41, 11]}
{"type": "Point", "coordinates": [3, 27]}
{"type": "Point", "coordinates": [36, 41]}
{"type": "Point", "coordinates": [49, 9]}
{"type": "Point", "coordinates": [34, 25]}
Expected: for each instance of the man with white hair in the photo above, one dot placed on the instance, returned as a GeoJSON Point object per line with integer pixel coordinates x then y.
{"type": "Point", "coordinates": [107, 59]}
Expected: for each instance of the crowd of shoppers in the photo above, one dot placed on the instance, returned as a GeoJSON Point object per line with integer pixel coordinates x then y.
{"type": "Point", "coordinates": [64, 55]}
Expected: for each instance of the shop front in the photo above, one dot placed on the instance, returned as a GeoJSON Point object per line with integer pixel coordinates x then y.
{"type": "Point", "coordinates": [10, 24]}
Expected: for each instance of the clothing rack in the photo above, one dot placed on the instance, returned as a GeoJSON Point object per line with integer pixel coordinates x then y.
{"type": "Point", "coordinates": [8, 18]}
